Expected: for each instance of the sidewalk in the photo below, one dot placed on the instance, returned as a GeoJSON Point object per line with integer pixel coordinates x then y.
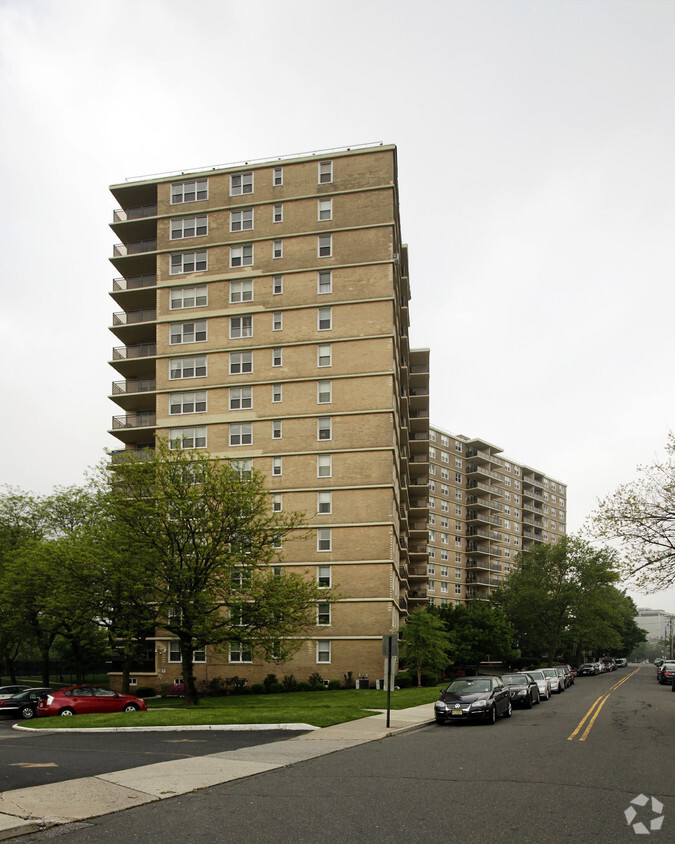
{"type": "Point", "coordinates": [31, 809]}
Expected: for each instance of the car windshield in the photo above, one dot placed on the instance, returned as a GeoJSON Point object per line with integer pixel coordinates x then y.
{"type": "Point", "coordinates": [469, 687]}
{"type": "Point", "coordinates": [537, 675]}
{"type": "Point", "coordinates": [515, 680]}
{"type": "Point", "coordinates": [549, 672]}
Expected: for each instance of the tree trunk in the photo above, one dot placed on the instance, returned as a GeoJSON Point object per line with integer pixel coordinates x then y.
{"type": "Point", "coordinates": [419, 675]}
{"type": "Point", "coordinates": [189, 686]}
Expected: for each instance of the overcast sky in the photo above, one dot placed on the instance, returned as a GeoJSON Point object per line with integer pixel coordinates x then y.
{"type": "Point", "coordinates": [536, 146]}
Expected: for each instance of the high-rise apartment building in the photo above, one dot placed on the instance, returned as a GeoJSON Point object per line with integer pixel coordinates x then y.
{"type": "Point", "coordinates": [264, 317]}
{"type": "Point", "coordinates": [483, 510]}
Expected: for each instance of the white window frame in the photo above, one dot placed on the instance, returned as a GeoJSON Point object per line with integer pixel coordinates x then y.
{"type": "Point", "coordinates": [241, 327]}
{"type": "Point", "coordinates": [241, 363]}
{"type": "Point", "coordinates": [323, 614]}
{"type": "Point", "coordinates": [191, 363]}
{"type": "Point", "coordinates": [324, 389]}
{"type": "Point", "coordinates": [242, 255]}
{"type": "Point", "coordinates": [241, 183]}
{"type": "Point", "coordinates": [324, 282]}
{"type": "Point", "coordinates": [324, 465]}
{"type": "Point", "coordinates": [240, 434]}
{"type": "Point", "coordinates": [277, 177]}
{"type": "Point", "coordinates": [324, 428]}
{"type": "Point", "coordinates": [242, 219]}
{"type": "Point", "coordinates": [277, 429]}
{"type": "Point", "coordinates": [323, 651]}
{"type": "Point", "coordinates": [324, 540]}
{"type": "Point", "coordinates": [183, 227]}
{"type": "Point", "coordinates": [277, 393]}
{"type": "Point", "coordinates": [182, 333]}
{"type": "Point", "coordinates": [278, 212]}
{"type": "Point", "coordinates": [324, 502]}
{"type": "Point", "coordinates": [240, 652]}
{"type": "Point", "coordinates": [197, 190]}
{"type": "Point", "coordinates": [324, 246]}
{"type": "Point", "coordinates": [189, 402]}
{"type": "Point", "coordinates": [325, 172]}
{"type": "Point", "coordinates": [277, 321]}
{"type": "Point", "coordinates": [324, 209]}
{"type": "Point", "coordinates": [324, 577]}
{"type": "Point", "coordinates": [277, 502]}
{"type": "Point", "coordinates": [241, 290]}
{"type": "Point", "coordinates": [195, 296]}
{"type": "Point", "coordinates": [324, 355]}
{"type": "Point", "coordinates": [277, 356]}
{"type": "Point", "coordinates": [277, 249]}
{"type": "Point", "coordinates": [277, 467]}
{"type": "Point", "coordinates": [324, 319]}
{"type": "Point", "coordinates": [277, 285]}
{"type": "Point", "coordinates": [182, 263]}
{"type": "Point", "coordinates": [187, 438]}
{"type": "Point", "coordinates": [240, 398]}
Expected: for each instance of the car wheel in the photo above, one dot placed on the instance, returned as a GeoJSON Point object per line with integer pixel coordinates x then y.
{"type": "Point", "coordinates": [538, 698]}
{"type": "Point", "coordinates": [509, 711]}
{"type": "Point", "coordinates": [27, 712]}
{"type": "Point", "coordinates": [67, 711]}
{"type": "Point", "coordinates": [130, 707]}
{"type": "Point", "coordinates": [529, 701]}
{"type": "Point", "coordinates": [492, 717]}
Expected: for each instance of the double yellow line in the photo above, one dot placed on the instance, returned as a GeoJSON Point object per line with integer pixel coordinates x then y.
{"type": "Point", "coordinates": [594, 711]}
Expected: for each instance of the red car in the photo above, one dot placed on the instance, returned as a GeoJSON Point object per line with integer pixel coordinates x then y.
{"type": "Point", "coordinates": [81, 700]}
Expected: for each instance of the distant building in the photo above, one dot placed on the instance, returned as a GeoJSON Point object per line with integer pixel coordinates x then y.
{"type": "Point", "coordinates": [658, 624]}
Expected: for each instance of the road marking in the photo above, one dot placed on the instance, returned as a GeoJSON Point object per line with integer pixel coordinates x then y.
{"type": "Point", "coordinates": [33, 765]}
{"type": "Point", "coordinates": [594, 711]}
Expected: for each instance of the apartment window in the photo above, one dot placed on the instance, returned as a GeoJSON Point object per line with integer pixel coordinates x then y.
{"type": "Point", "coordinates": [276, 393]}
{"type": "Point", "coordinates": [324, 321]}
{"type": "Point", "coordinates": [432, 486]}
{"type": "Point", "coordinates": [324, 428]}
{"type": "Point", "coordinates": [187, 368]}
{"type": "Point", "coordinates": [323, 614]}
{"type": "Point", "coordinates": [324, 392]}
{"type": "Point", "coordinates": [445, 474]}
{"type": "Point", "coordinates": [277, 466]}
{"type": "Point", "coordinates": [188, 262]}
{"type": "Point", "coordinates": [445, 457]}
{"type": "Point", "coordinates": [276, 429]}
{"type": "Point", "coordinates": [324, 501]}
{"type": "Point", "coordinates": [458, 509]}
{"type": "Point", "coordinates": [458, 589]}
{"type": "Point", "coordinates": [241, 220]}
{"type": "Point", "coordinates": [324, 355]}
{"type": "Point", "coordinates": [242, 467]}
{"type": "Point", "coordinates": [240, 652]}
{"type": "Point", "coordinates": [445, 441]}
{"type": "Point", "coordinates": [444, 554]}
{"type": "Point", "coordinates": [432, 436]}
{"type": "Point", "coordinates": [458, 478]}
{"type": "Point", "coordinates": [277, 502]}
{"type": "Point", "coordinates": [432, 452]}
{"type": "Point", "coordinates": [445, 489]}
{"type": "Point", "coordinates": [444, 588]}
{"type": "Point", "coordinates": [445, 507]}
{"type": "Point", "coordinates": [325, 281]}
{"type": "Point", "coordinates": [324, 465]}
{"type": "Point", "coordinates": [325, 209]}
{"type": "Point", "coordinates": [241, 362]}
{"type": "Point", "coordinates": [458, 462]}
{"type": "Point", "coordinates": [189, 227]}
{"type": "Point", "coordinates": [277, 321]}
{"type": "Point", "coordinates": [458, 447]}
{"type": "Point", "coordinates": [241, 434]}
{"type": "Point", "coordinates": [323, 539]}
{"type": "Point", "coordinates": [187, 402]}
{"type": "Point", "coordinates": [187, 437]}
{"type": "Point", "coordinates": [187, 332]}
{"type": "Point", "coordinates": [278, 213]}
{"type": "Point", "coordinates": [278, 249]}
{"type": "Point", "coordinates": [325, 172]}
{"type": "Point", "coordinates": [277, 284]}
{"type": "Point", "coordinates": [325, 246]}
{"type": "Point", "coordinates": [241, 256]}
{"type": "Point", "coordinates": [278, 177]}
{"type": "Point", "coordinates": [458, 494]}
{"type": "Point", "coordinates": [198, 655]}
{"type": "Point", "coordinates": [276, 357]}
{"type": "Point", "coordinates": [323, 651]}
{"type": "Point", "coordinates": [195, 190]}
{"type": "Point", "coordinates": [241, 398]}
{"type": "Point", "coordinates": [432, 502]}
{"type": "Point", "coordinates": [188, 297]}
{"type": "Point", "coordinates": [323, 577]}
{"type": "Point", "coordinates": [241, 183]}
{"type": "Point", "coordinates": [241, 326]}
{"type": "Point", "coordinates": [241, 291]}
{"type": "Point", "coordinates": [432, 519]}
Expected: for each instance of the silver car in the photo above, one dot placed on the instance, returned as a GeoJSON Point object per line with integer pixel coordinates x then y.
{"type": "Point", "coordinates": [542, 681]}
{"type": "Point", "coordinates": [557, 680]}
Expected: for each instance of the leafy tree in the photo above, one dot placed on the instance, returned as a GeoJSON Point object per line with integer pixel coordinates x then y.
{"type": "Point", "coordinates": [478, 630]}
{"type": "Point", "coordinates": [543, 596]}
{"type": "Point", "coordinates": [208, 535]}
{"type": "Point", "coordinates": [641, 516]}
{"type": "Point", "coordinates": [426, 644]}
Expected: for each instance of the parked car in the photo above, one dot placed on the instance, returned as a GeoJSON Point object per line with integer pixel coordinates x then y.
{"type": "Point", "coordinates": [666, 673]}
{"type": "Point", "coordinates": [588, 669]}
{"type": "Point", "coordinates": [473, 698]}
{"type": "Point", "coordinates": [543, 682]}
{"type": "Point", "coordinates": [81, 700]}
{"type": "Point", "coordinates": [610, 663]}
{"type": "Point", "coordinates": [573, 674]}
{"type": "Point", "coordinates": [24, 704]}
{"type": "Point", "coordinates": [621, 662]}
{"type": "Point", "coordinates": [8, 691]}
{"type": "Point", "coordinates": [564, 674]}
{"type": "Point", "coordinates": [557, 680]}
{"type": "Point", "coordinates": [523, 688]}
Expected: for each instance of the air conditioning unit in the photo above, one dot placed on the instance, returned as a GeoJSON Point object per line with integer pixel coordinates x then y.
{"type": "Point", "coordinates": [379, 684]}
{"type": "Point", "coordinates": [363, 684]}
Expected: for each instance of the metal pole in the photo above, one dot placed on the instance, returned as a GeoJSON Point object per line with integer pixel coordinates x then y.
{"type": "Point", "coordinates": [389, 640]}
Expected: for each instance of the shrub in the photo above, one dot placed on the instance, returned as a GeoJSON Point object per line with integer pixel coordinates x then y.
{"type": "Point", "coordinates": [270, 681]}
{"type": "Point", "coordinates": [258, 689]}
{"type": "Point", "coordinates": [316, 682]}
{"type": "Point", "coordinates": [275, 688]}
{"type": "Point", "coordinates": [164, 689]}
{"type": "Point", "coordinates": [216, 687]}
{"type": "Point", "coordinates": [289, 683]}
{"type": "Point", "coordinates": [236, 685]}
{"type": "Point", "coordinates": [175, 690]}
{"type": "Point", "coordinates": [333, 685]}
{"type": "Point", "coordinates": [303, 687]}
{"type": "Point", "coordinates": [349, 682]}
{"type": "Point", "coordinates": [403, 681]}
{"type": "Point", "coordinates": [144, 691]}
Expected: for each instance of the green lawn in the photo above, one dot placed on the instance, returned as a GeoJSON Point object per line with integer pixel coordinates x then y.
{"type": "Point", "coordinates": [321, 709]}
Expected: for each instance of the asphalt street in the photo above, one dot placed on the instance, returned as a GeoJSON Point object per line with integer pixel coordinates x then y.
{"type": "Point", "coordinates": [567, 770]}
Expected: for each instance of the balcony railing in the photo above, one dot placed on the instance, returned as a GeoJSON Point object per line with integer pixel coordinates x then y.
{"type": "Point", "coordinates": [135, 420]}
{"type": "Point", "coordinates": [142, 350]}
{"type": "Point", "coordinates": [121, 250]}
{"type": "Point", "coordinates": [138, 385]}
{"type": "Point", "coordinates": [134, 282]}
{"type": "Point", "coordinates": [122, 215]}
{"type": "Point", "coordinates": [121, 454]}
{"type": "Point", "coordinates": [134, 317]}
